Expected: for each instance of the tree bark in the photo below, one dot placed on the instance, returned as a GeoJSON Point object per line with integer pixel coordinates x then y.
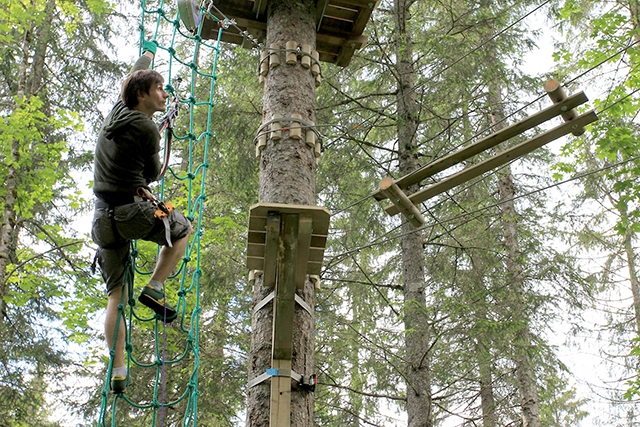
{"type": "Point", "coordinates": [632, 267]}
{"type": "Point", "coordinates": [32, 70]}
{"type": "Point", "coordinates": [287, 175]}
{"type": "Point", "coordinates": [515, 307]}
{"type": "Point", "coordinates": [418, 375]}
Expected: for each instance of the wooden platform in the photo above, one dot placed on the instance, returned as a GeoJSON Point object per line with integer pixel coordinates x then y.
{"type": "Point", "coordinates": [339, 25]}
{"type": "Point", "coordinates": [268, 225]}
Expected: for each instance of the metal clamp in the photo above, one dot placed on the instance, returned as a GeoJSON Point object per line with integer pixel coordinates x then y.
{"type": "Point", "coordinates": [306, 383]}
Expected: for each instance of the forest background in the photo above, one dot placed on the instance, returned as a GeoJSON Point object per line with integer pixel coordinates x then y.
{"type": "Point", "coordinates": [523, 267]}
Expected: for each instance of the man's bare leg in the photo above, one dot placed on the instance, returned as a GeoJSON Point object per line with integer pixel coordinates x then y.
{"type": "Point", "coordinates": [111, 320]}
{"type": "Point", "coordinates": [168, 258]}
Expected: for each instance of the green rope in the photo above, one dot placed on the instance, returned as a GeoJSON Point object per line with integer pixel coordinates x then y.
{"type": "Point", "coordinates": [184, 343]}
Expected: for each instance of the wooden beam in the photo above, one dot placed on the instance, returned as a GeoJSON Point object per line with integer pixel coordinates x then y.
{"type": "Point", "coordinates": [284, 302]}
{"type": "Point", "coordinates": [401, 202]}
{"type": "Point", "coordinates": [280, 408]}
{"type": "Point", "coordinates": [320, 9]}
{"type": "Point", "coordinates": [557, 94]}
{"type": "Point", "coordinates": [487, 142]}
{"type": "Point", "coordinates": [497, 160]}
{"type": "Point", "coordinates": [305, 227]}
{"type": "Point", "coordinates": [272, 243]}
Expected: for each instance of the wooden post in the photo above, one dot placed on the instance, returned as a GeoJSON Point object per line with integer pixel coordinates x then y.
{"type": "Point", "coordinates": [401, 202]}
{"type": "Point", "coordinates": [280, 408]}
{"type": "Point", "coordinates": [286, 242]}
{"type": "Point", "coordinates": [557, 94]}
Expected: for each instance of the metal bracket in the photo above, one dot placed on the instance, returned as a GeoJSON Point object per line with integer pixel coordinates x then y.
{"type": "Point", "coordinates": [303, 304]}
{"type": "Point", "coordinates": [272, 295]}
{"type": "Point", "coordinates": [308, 383]}
{"type": "Point", "coordinates": [265, 301]}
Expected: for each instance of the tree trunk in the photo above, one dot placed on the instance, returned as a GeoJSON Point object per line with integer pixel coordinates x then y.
{"type": "Point", "coordinates": [633, 271]}
{"type": "Point", "coordinates": [515, 306]}
{"type": "Point", "coordinates": [487, 399]}
{"type": "Point", "coordinates": [287, 175]}
{"type": "Point", "coordinates": [30, 78]}
{"type": "Point", "coordinates": [418, 375]}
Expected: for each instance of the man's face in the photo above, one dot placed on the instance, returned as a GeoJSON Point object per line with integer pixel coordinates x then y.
{"type": "Point", "coordinates": [153, 101]}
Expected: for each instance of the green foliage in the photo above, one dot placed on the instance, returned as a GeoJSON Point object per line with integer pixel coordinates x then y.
{"type": "Point", "coordinates": [561, 408]}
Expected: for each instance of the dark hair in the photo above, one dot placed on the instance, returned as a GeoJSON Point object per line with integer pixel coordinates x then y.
{"type": "Point", "coordinates": [139, 82]}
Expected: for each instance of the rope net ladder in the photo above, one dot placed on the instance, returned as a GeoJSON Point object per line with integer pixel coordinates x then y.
{"type": "Point", "coordinates": [163, 359]}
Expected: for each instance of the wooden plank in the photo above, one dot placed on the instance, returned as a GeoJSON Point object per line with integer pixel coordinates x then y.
{"type": "Point", "coordinates": [255, 250]}
{"type": "Point", "coordinates": [305, 224]}
{"type": "Point", "coordinates": [354, 3]}
{"type": "Point", "coordinates": [284, 303]}
{"type": "Point", "coordinates": [258, 225]}
{"type": "Point", "coordinates": [280, 408]}
{"type": "Point", "coordinates": [314, 265]}
{"type": "Point", "coordinates": [363, 18]}
{"type": "Point", "coordinates": [254, 263]}
{"type": "Point", "coordinates": [338, 27]}
{"type": "Point", "coordinates": [487, 142]}
{"type": "Point", "coordinates": [341, 14]}
{"type": "Point", "coordinates": [321, 216]}
{"type": "Point", "coordinates": [271, 250]}
{"type": "Point", "coordinates": [314, 268]}
{"type": "Point", "coordinates": [336, 40]}
{"type": "Point", "coordinates": [497, 160]}
{"type": "Point", "coordinates": [257, 239]}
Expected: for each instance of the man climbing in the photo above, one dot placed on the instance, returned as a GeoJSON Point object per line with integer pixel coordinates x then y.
{"type": "Point", "coordinates": [126, 162]}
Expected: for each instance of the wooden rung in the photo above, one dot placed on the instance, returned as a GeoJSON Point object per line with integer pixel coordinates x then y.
{"type": "Point", "coordinates": [486, 143]}
{"type": "Point", "coordinates": [557, 94]}
{"type": "Point", "coordinates": [497, 160]}
{"type": "Point", "coordinates": [401, 201]}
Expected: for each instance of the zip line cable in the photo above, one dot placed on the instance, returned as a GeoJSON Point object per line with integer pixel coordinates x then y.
{"type": "Point", "coordinates": [152, 387]}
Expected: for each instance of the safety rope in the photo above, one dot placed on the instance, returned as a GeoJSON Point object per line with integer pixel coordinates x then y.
{"type": "Point", "coordinates": [176, 347]}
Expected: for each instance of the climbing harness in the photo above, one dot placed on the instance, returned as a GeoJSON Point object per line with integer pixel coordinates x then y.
{"type": "Point", "coordinates": [162, 211]}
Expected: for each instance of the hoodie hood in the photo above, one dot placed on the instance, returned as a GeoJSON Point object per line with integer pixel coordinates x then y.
{"type": "Point", "coordinates": [120, 117]}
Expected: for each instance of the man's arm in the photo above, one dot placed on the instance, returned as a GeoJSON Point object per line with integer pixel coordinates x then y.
{"type": "Point", "coordinates": [149, 52]}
